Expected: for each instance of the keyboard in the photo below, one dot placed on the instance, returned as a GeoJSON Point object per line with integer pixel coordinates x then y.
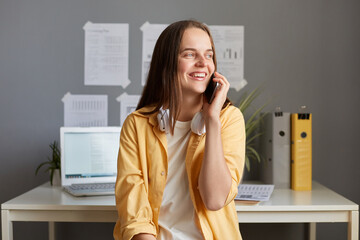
{"type": "Point", "coordinates": [91, 189]}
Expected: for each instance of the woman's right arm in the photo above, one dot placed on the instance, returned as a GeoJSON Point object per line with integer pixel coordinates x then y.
{"type": "Point", "coordinates": [131, 194]}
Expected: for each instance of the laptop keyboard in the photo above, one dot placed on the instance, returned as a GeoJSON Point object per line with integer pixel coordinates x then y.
{"type": "Point", "coordinates": [93, 186]}
{"type": "Point", "coordinates": [89, 189]}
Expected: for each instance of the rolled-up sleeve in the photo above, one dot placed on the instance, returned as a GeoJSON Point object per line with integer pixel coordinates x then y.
{"type": "Point", "coordinates": [131, 190]}
{"type": "Point", "coordinates": [234, 138]}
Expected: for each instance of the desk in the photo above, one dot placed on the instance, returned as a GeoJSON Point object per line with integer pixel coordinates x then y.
{"type": "Point", "coordinates": [51, 204]}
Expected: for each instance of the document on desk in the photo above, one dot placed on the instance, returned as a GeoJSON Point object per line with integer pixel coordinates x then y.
{"type": "Point", "coordinates": [254, 192]}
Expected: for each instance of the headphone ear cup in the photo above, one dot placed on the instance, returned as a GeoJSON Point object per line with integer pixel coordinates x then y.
{"type": "Point", "coordinates": [198, 124]}
{"type": "Point", "coordinates": [163, 120]}
{"type": "Point", "coordinates": [160, 122]}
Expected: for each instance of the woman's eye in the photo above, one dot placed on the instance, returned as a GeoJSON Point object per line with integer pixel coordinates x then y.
{"type": "Point", "coordinates": [209, 56]}
{"type": "Point", "coordinates": [189, 54]}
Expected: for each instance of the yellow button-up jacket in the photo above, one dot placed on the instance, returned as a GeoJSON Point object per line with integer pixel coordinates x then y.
{"type": "Point", "coordinates": [142, 172]}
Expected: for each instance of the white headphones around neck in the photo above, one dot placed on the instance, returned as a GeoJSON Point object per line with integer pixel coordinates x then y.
{"type": "Point", "coordinates": [197, 123]}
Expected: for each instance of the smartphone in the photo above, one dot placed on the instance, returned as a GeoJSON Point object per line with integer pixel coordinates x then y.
{"type": "Point", "coordinates": [211, 89]}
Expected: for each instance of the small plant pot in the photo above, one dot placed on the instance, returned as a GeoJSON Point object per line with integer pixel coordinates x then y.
{"type": "Point", "coordinates": [56, 181]}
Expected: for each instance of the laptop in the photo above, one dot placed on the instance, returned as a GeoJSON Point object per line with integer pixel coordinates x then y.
{"type": "Point", "coordinates": [89, 160]}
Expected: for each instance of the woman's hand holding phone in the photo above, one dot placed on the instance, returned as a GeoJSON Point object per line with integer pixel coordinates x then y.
{"type": "Point", "coordinates": [217, 96]}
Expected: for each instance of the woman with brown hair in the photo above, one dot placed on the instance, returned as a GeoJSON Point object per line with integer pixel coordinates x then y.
{"type": "Point", "coordinates": [180, 158]}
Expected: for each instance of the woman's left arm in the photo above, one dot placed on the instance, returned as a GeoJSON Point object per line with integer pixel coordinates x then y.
{"type": "Point", "coordinates": [221, 168]}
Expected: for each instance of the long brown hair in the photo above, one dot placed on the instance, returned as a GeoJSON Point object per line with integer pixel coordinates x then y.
{"type": "Point", "coordinates": [163, 84]}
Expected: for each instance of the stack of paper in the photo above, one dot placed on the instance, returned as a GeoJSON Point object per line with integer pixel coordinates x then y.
{"type": "Point", "coordinates": [254, 192]}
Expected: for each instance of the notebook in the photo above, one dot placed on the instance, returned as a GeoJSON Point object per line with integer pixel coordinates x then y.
{"type": "Point", "coordinates": [89, 160]}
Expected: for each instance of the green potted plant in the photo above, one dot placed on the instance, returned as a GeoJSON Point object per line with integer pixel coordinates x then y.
{"type": "Point", "coordinates": [53, 164]}
{"type": "Point", "coordinates": [252, 126]}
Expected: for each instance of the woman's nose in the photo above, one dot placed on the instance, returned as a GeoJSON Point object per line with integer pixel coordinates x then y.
{"type": "Point", "coordinates": [201, 61]}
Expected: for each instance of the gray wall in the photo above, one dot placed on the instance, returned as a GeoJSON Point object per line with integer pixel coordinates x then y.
{"type": "Point", "coordinates": [306, 52]}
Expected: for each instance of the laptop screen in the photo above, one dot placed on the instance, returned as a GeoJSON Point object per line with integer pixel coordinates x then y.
{"type": "Point", "coordinates": [89, 155]}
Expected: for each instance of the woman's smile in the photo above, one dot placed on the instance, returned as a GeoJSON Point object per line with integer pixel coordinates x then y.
{"type": "Point", "coordinates": [200, 76]}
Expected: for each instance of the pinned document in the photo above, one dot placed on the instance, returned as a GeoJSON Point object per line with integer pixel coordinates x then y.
{"type": "Point", "coordinates": [301, 151]}
{"type": "Point", "coordinates": [106, 54]}
{"type": "Point", "coordinates": [128, 104]}
{"type": "Point", "coordinates": [151, 33]}
{"type": "Point", "coordinates": [229, 46]}
{"type": "Point", "coordinates": [85, 110]}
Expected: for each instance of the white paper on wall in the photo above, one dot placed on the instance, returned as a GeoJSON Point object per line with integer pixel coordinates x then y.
{"type": "Point", "coordinates": [106, 60]}
{"type": "Point", "coordinates": [151, 33]}
{"type": "Point", "coordinates": [85, 110]}
{"type": "Point", "coordinates": [128, 104]}
{"type": "Point", "coordinates": [229, 46]}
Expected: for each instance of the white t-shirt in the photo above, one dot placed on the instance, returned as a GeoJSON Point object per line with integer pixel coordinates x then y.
{"type": "Point", "coordinates": [176, 219]}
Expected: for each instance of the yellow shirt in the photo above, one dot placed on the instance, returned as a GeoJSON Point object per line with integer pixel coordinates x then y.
{"type": "Point", "coordinates": [142, 172]}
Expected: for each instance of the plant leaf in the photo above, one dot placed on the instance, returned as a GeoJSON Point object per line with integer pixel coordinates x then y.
{"type": "Point", "coordinates": [249, 140]}
{"type": "Point", "coordinates": [255, 153]}
{"type": "Point", "coordinates": [54, 162]}
{"type": "Point", "coordinates": [247, 163]}
{"type": "Point", "coordinates": [257, 113]}
{"type": "Point", "coordinates": [252, 124]}
{"type": "Point", "coordinates": [38, 168]}
{"type": "Point", "coordinates": [51, 176]}
{"type": "Point", "coordinates": [247, 99]}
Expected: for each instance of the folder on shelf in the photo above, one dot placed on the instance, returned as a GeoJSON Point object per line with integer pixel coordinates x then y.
{"type": "Point", "coordinates": [301, 151]}
{"type": "Point", "coordinates": [275, 145]}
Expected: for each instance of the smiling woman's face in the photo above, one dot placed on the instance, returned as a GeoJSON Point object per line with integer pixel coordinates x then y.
{"type": "Point", "coordinates": [195, 62]}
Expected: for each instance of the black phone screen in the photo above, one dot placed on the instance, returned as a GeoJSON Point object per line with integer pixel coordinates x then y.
{"type": "Point", "coordinates": [211, 89]}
